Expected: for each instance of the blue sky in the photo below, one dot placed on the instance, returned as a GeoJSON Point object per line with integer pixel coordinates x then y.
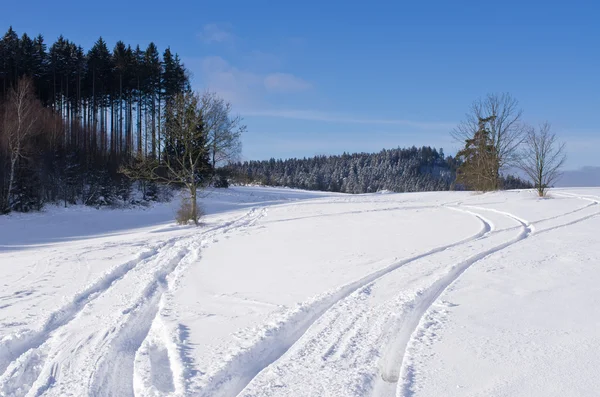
{"type": "Point", "coordinates": [319, 77]}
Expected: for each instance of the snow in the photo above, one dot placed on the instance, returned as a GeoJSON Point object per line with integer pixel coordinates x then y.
{"type": "Point", "coordinates": [284, 292]}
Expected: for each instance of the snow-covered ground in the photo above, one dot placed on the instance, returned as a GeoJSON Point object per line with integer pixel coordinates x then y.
{"type": "Point", "coordinates": [290, 293]}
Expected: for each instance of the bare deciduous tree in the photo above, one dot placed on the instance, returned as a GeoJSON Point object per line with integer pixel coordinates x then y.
{"type": "Point", "coordinates": [22, 113]}
{"type": "Point", "coordinates": [185, 158]}
{"type": "Point", "coordinates": [223, 130]}
{"type": "Point", "coordinates": [506, 130]}
{"type": "Point", "coordinates": [542, 158]}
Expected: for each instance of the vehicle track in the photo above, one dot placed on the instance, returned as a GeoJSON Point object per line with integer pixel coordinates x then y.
{"type": "Point", "coordinates": [230, 380]}
{"type": "Point", "coordinates": [400, 375]}
{"type": "Point", "coordinates": [33, 361]}
{"type": "Point", "coordinates": [405, 383]}
{"type": "Point", "coordinates": [248, 366]}
{"type": "Point", "coordinates": [346, 335]}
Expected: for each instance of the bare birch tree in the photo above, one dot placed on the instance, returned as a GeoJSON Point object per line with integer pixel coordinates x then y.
{"type": "Point", "coordinates": [542, 158]}
{"type": "Point", "coordinates": [22, 112]}
{"type": "Point", "coordinates": [506, 129]}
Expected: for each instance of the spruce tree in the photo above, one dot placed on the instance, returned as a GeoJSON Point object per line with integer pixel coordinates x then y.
{"type": "Point", "coordinates": [480, 160]}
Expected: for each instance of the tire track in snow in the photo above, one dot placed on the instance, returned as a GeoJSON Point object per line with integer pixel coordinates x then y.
{"type": "Point", "coordinates": [114, 371]}
{"type": "Point", "coordinates": [423, 306]}
{"type": "Point", "coordinates": [155, 372]}
{"type": "Point", "coordinates": [357, 212]}
{"type": "Point", "coordinates": [163, 346]}
{"type": "Point", "coordinates": [115, 374]}
{"type": "Point", "coordinates": [24, 356]}
{"type": "Point", "coordinates": [38, 367]}
{"type": "Point", "coordinates": [595, 200]}
{"type": "Point", "coordinates": [13, 346]}
{"type": "Point", "coordinates": [399, 373]}
{"type": "Point", "coordinates": [277, 339]}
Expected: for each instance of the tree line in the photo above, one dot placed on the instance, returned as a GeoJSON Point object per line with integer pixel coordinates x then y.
{"type": "Point", "coordinates": [397, 170]}
{"type": "Point", "coordinates": [79, 127]}
{"type": "Point", "coordinates": [70, 119]}
{"type": "Point", "coordinates": [111, 100]}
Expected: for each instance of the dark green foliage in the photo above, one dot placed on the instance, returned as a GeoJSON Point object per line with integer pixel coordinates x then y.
{"type": "Point", "coordinates": [28, 191]}
{"type": "Point", "coordinates": [221, 178]}
{"type": "Point", "coordinates": [398, 170]}
{"type": "Point", "coordinates": [104, 107]}
{"type": "Point", "coordinates": [480, 161]}
{"type": "Point", "coordinates": [509, 182]}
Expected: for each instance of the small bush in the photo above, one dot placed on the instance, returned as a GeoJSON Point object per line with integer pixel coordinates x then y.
{"type": "Point", "coordinates": [220, 181]}
{"type": "Point", "coordinates": [221, 178]}
{"type": "Point", "coordinates": [185, 213]}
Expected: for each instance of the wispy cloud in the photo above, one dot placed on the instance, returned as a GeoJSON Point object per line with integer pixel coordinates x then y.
{"type": "Point", "coordinates": [236, 85]}
{"type": "Point", "coordinates": [285, 82]}
{"type": "Point", "coordinates": [315, 115]}
{"type": "Point", "coordinates": [214, 33]}
{"type": "Point", "coordinates": [244, 88]}
{"type": "Point", "coordinates": [262, 61]}
{"type": "Point", "coordinates": [250, 91]}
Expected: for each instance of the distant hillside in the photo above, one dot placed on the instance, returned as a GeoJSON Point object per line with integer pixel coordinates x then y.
{"type": "Point", "coordinates": [398, 170]}
{"type": "Point", "coordinates": [586, 176]}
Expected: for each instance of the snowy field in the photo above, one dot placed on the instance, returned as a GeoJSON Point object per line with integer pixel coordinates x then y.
{"type": "Point", "coordinates": [291, 293]}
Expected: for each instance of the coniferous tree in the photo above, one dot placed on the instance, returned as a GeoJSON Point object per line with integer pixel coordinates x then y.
{"type": "Point", "coordinates": [95, 108]}
{"type": "Point", "coordinates": [10, 60]}
{"type": "Point", "coordinates": [479, 170]}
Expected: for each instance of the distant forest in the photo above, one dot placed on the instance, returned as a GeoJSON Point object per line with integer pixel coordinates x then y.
{"type": "Point", "coordinates": [72, 120]}
{"type": "Point", "coordinates": [69, 118]}
{"type": "Point", "coordinates": [397, 170]}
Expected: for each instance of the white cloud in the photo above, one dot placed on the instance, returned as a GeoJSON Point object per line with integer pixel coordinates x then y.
{"type": "Point", "coordinates": [285, 82]}
{"type": "Point", "coordinates": [213, 33]}
{"type": "Point", "coordinates": [233, 84]}
{"type": "Point", "coordinates": [249, 92]}
{"type": "Point", "coordinates": [244, 88]}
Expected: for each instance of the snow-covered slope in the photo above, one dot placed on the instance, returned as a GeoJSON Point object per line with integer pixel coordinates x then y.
{"type": "Point", "coordinates": [290, 293]}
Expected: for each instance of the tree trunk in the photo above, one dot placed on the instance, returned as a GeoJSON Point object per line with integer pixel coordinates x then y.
{"type": "Point", "coordinates": [159, 118]}
{"type": "Point", "coordinates": [153, 126]}
{"type": "Point", "coordinates": [193, 192]}
{"type": "Point", "coordinates": [13, 162]}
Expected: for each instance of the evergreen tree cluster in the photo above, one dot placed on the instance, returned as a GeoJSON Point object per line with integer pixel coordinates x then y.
{"type": "Point", "coordinates": [509, 182]}
{"type": "Point", "coordinates": [97, 110]}
{"type": "Point", "coordinates": [398, 170]}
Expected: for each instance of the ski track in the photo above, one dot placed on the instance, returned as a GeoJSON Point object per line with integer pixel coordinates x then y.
{"type": "Point", "coordinates": [416, 322]}
{"type": "Point", "coordinates": [397, 368]}
{"type": "Point", "coordinates": [426, 316]}
{"type": "Point", "coordinates": [26, 358]}
{"type": "Point", "coordinates": [352, 314]}
{"type": "Point", "coordinates": [275, 341]}
{"type": "Point", "coordinates": [141, 356]}
{"type": "Point", "coordinates": [13, 346]}
{"type": "Point", "coordinates": [114, 370]}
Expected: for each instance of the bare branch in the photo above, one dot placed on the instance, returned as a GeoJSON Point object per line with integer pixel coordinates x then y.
{"type": "Point", "coordinates": [507, 131]}
{"type": "Point", "coordinates": [542, 158]}
{"type": "Point", "coordinates": [223, 130]}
